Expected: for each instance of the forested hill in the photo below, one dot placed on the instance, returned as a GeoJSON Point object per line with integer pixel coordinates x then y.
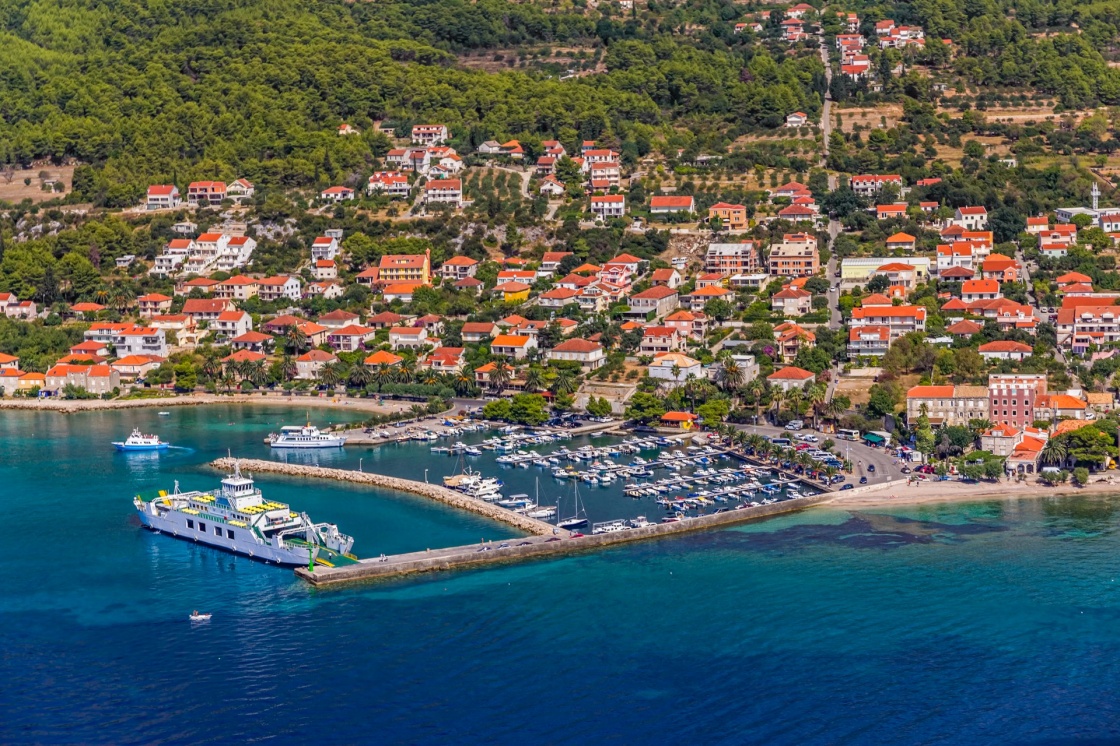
{"type": "Point", "coordinates": [148, 91]}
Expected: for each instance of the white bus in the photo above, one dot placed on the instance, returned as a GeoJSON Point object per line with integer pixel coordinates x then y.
{"type": "Point", "coordinates": [842, 434]}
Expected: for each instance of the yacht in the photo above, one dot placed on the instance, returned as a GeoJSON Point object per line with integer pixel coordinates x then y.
{"type": "Point", "coordinates": [305, 436]}
{"type": "Point", "coordinates": [140, 442]}
{"type": "Point", "coordinates": [237, 518]}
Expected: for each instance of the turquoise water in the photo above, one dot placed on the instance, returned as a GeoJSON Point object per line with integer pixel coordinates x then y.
{"type": "Point", "coordinates": [988, 622]}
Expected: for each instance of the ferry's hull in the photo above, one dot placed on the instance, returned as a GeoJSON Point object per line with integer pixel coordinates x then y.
{"type": "Point", "coordinates": [175, 524]}
{"type": "Point", "coordinates": [331, 443]}
{"type": "Point", "coordinates": [126, 447]}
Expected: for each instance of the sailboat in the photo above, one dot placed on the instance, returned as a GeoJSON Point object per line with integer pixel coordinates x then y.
{"type": "Point", "coordinates": [535, 510]}
{"type": "Point", "coordinates": [579, 519]}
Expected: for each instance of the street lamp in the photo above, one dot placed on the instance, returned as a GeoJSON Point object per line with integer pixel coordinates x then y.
{"type": "Point", "coordinates": [359, 464]}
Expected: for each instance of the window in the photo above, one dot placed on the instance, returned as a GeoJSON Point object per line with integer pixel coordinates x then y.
{"type": "Point", "coordinates": [190, 523]}
{"type": "Point", "coordinates": [217, 531]}
{"type": "Point", "coordinates": [229, 533]}
{"type": "Point", "coordinates": [202, 526]}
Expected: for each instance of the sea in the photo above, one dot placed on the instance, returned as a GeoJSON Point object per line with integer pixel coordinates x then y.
{"type": "Point", "coordinates": [985, 622]}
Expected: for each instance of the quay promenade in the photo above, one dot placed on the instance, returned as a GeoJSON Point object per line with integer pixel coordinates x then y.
{"type": "Point", "coordinates": [424, 489]}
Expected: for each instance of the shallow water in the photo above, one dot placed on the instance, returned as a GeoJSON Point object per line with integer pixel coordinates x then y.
{"type": "Point", "coordinates": [983, 622]}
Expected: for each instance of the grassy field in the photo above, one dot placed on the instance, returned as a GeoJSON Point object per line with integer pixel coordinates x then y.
{"type": "Point", "coordinates": [17, 191]}
{"type": "Point", "coordinates": [845, 119]}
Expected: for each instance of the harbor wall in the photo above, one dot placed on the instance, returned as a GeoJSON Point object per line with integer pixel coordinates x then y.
{"type": "Point", "coordinates": [424, 489]}
{"type": "Point", "coordinates": [470, 557]}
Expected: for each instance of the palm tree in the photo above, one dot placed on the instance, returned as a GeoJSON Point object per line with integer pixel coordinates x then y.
{"type": "Point", "coordinates": [211, 363]}
{"type": "Point", "coordinates": [406, 370]}
{"type": "Point", "coordinates": [833, 409]}
{"type": "Point", "coordinates": [756, 388]}
{"type": "Point", "coordinates": [816, 396]}
{"type": "Point", "coordinates": [383, 374]}
{"type": "Point", "coordinates": [287, 367]}
{"type": "Point", "coordinates": [564, 383]}
{"type": "Point", "coordinates": [256, 373]}
{"type": "Point", "coordinates": [731, 376]}
{"type": "Point", "coordinates": [122, 298]}
{"type": "Point", "coordinates": [501, 375]}
{"type": "Point", "coordinates": [755, 441]}
{"type": "Point", "coordinates": [295, 339]}
{"type": "Point", "coordinates": [776, 397]}
{"type": "Point", "coordinates": [430, 377]}
{"type": "Point", "coordinates": [360, 376]}
{"type": "Point", "coordinates": [331, 374]}
{"type": "Point", "coordinates": [464, 382]}
{"type": "Point", "coordinates": [796, 398]}
{"type": "Point", "coordinates": [227, 381]}
{"type": "Point", "coordinates": [534, 378]}
{"type": "Point", "coordinates": [1055, 451]}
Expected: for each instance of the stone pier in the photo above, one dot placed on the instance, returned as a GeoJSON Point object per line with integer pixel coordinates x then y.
{"type": "Point", "coordinates": [424, 489]}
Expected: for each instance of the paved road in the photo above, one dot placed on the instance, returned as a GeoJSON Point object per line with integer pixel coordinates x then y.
{"type": "Point", "coordinates": [826, 110]}
{"type": "Point", "coordinates": [860, 455]}
{"type": "Point", "coordinates": [835, 319]}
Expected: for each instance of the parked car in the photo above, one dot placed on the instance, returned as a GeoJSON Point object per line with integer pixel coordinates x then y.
{"type": "Point", "coordinates": [863, 480]}
{"type": "Point", "coordinates": [847, 487]}
{"type": "Point", "coordinates": [905, 470]}
{"type": "Point", "coordinates": [871, 468]}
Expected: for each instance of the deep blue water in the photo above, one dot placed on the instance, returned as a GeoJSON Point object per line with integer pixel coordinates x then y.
{"type": "Point", "coordinates": [992, 622]}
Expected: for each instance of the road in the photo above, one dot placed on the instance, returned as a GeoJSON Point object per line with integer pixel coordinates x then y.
{"type": "Point", "coordinates": [859, 454]}
{"type": "Point", "coordinates": [525, 176]}
{"type": "Point", "coordinates": [826, 110]}
{"type": "Point", "coordinates": [830, 274]}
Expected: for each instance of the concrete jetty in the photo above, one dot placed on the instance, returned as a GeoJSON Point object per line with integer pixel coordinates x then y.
{"type": "Point", "coordinates": [424, 489]}
{"type": "Point", "coordinates": [474, 556]}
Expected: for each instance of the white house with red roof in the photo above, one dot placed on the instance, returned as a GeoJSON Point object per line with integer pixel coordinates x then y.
{"type": "Point", "coordinates": [162, 197]}
{"type": "Point", "coordinates": [666, 204]}
{"type": "Point", "coordinates": [349, 338]}
{"type": "Point", "coordinates": [797, 119]}
{"type": "Point", "coordinates": [279, 287]}
{"type": "Point", "coordinates": [444, 191]}
{"type": "Point", "coordinates": [230, 324]}
{"type": "Point", "coordinates": [868, 185]}
{"type": "Point", "coordinates": [310, 363]}
{"type": "Point", "coordinates": [430, 134]}
{"type": "Point", "coordinates": [240, 190]}
{"type": "Point", "coordinates": [336, 194]}
{"type": "Point", "coordinates": [140, 340]}
{"type": "Point", "coordinates": [606, 206]}
{"type": "Point", "coordinates": [458, 267]}
{"type": "Point", "coordinates": [153, 304]}
{"type": "Point", "coordinates": [206, 193]}
{"type": "Point", "coordinates": [791, 377]}
{"type": "Point", "coordinates": [589, 355]}
{"type": "Point", "coordinates": [971, 218]}
{"type": "Point", "coordinates": [392, 183]}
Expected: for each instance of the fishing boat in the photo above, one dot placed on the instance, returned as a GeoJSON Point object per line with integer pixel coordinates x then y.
{"type": "Point", "coordinates": [164, 414]}
{"type": "Point", "coordinates": [140, 442]}
{"type": "Point", "coordinates": [196, 617]}
{"type": "Point", "coordinates": [304, 436]}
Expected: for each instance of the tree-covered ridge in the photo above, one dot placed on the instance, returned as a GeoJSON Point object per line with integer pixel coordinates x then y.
{"type": "Point", "coordinates": [149, 91]}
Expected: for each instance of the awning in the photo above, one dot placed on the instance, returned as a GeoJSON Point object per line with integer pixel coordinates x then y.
{"type": "Point", "coordinates": [873, 438]}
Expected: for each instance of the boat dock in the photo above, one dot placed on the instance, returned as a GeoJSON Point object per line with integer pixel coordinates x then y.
{"type": "Point", "coordinates": [475, 556]}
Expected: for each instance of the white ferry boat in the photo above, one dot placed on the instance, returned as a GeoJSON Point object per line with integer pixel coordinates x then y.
{"type": "Point", "coordinates": [305, 436]}
{"type": "Point", "coordinates": [140, 442]}
{"type": "Point", "coordinates": [238, 519]}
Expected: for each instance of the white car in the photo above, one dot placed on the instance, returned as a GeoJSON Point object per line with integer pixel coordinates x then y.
{"type": "Point", "coordinates": [795, 425]}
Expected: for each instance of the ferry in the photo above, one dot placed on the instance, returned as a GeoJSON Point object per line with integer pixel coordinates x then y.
{"type": "Point", "coordinates": [239, 519]}
{"type": "Point", "coordinates": [140, 442]}
{"type": "Point", "coordinates": [305, 436]}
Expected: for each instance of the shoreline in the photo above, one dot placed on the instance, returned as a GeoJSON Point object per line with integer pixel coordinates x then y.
{"type": "Point", "coordinates": [932, 493]}
{"type": "Point", "coordinates": [71, 406]}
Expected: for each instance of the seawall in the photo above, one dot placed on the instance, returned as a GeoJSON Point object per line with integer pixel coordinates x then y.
{"type": "Point", "coordinates": [478, 555]}
{"type": "Point", "coordinates": [424, 489]}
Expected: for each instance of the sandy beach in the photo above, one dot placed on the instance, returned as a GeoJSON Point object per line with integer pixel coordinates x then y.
{"type": "Point", "coordinates": [86, 405]}
{"type": "Point", "coordinates": [897, 493]}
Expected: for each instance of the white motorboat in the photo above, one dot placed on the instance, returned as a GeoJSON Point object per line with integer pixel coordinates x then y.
{"type": "Point", "coordinates": [304, 436]}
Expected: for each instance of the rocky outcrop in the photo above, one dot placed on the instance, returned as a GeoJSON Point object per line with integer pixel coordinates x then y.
{"type": "Point", "coordinates": [424, 489]}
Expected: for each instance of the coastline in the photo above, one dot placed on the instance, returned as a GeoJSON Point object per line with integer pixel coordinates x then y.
{"type": "Point", "coordinates": [70, 406]}
{"type": "Point", "coordinates": [955, 492]}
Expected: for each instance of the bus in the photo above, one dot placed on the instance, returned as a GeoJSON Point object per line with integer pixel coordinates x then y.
{"type": "Point", "coordinates": [843, 434]}
{"type": "Point", "coordinates": [781, 442]}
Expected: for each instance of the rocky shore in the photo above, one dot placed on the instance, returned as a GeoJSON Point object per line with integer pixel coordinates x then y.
{"type": "Point", "coordinates": [424, 489]}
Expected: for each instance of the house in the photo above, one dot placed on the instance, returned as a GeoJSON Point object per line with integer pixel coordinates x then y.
{"type": "Point", "coordinates": [230, 324]}
{"type": "Point", "coordinates": [660, 339]}
{"type": "Point", "coordinates": [133, 367]}
{"type": "Point", "coordinates": [732, 258]}
{"type": "Point", "coordinates": [444, 191]}
{"type": "Point", "coordinates": [732, 217]}
{"type": "Point", "coordinates": [675, 368]}
{"type": "Point", "coordinates": [1056, 407]}
{"type": "Point", "coordinates": [336, 194]}
{"type": "Point", "coordinates": [791, 377]}
{"type": "Point", "coordinates": [947, 406]}
{"type": "Point", "coordinates": [309, 364]}
{"type": "Point", "coordinates": [1000, 268]}
{"type": "Point", "coordinates": [410, 337]}
{"type": "Point", "coordinates": [1037, 225]}
{"type": "Point", "coordinates": [669, 204]}
{"type": "Point", "coordinates": [324, 247]}
{"type": "Point", "coordinates": [901, 320]}
{"type": "Point", "coordinates": [206, 309]}
{"type": "Point", "coordinates": [797, 119]}
{"type": "Point", "coordinates": [954, 255]}
{"type": "Point", "coordinates": [87, 310]}
{"type": "Point", "coordinates": [446, 359]}
{"type": "Point", "coordinates": [679, 420]}
{"type": "Point", "coordinates": [8, 362]}
{"type": "Point", "coordinates": [797, 213]}
{"type": "Point", "coordinates": [381, 357]}
{"type": "Point", "coordinates": [512, 345]}
{"type": "Point", "coordinates": [513, 291]}
{"type": "Point", "coordinates": [974, 290]}
{"type": "Point", "coordinates": [238, 287]}
{"type": "Point", "coordinates": [324, 269]}
{"type": "Point", "coordinates": [240, 190]}
{"type": "Point", "coordinates": [350, 338]}
{"type": "Point", "coordinates": [971, 218]}
{"type": "Point", "coordinates": [550, 262]}
{"type": "Point", "coordinates": [964, 329]}
{"type": "Point", "coordinates": [206, 193]}
{"type": "Point", "coordinates": [558, 298]}
{"type": "Point", "coordinates": [96, 379]}
{"type": "Point", "coordinates": [669, 278]}
{"type": "Point", "coordinates": [478, 331]}
{"type": "Point", "coordinates": [458, 267]}
{"type": "Point", "coordinates": [391, 183]}
{"type": "Point", "coordinates": [589, 355]}
{"type": "Point", "coordinates": [899, 275]}
{"type": "Point", "coordinates": [339, 319]}
{"type": "Point", "coordinates": [791, 301]}
{"type": "Point", "coordinates": [868, 185]}
{"type": "Point", "coordinates": [603, 175]}
{"type": "Point", "coordinates": [688, 324]}
{"type": "Point", "coordinates": [605, 206]}
{"type": "Point", "coordinates": [871, 341]}
{"type": "Point", "coordinates": [255, 341]}
{"type": "Point", "coordinates": [654, 303]}
{"type": "Point", "coordinates": [411, 268]}
{"type": "Point", "coordinates": [1005, 350]}
{"type": "Point", "coordinates": [429, 134]}
{"type": "Point", "coordinates": [280, 287]}
{"type": "Point", "coordinates": [794, 259]}
{"type": "Point", "coordinates": [901, 242]}
{"type": "Point", "coordinates": [552, 186]}
{"type": "Point", "coordinates": [162, 197]}
{"type": "Point", "coordinates": [153, 304]}
{"type": "Point", "coordinates": [791, 339]}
